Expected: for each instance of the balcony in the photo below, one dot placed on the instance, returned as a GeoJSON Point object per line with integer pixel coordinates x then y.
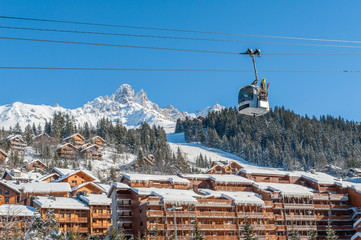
{"type": "Point", "coordinates": [101, 225]}
{"type": "Point", "coordinates": [182, 214]}
{"type": "Point", "coordinates": [124, 196]}
{"type": "Point", "coordinates": [259, 227]}
{"type": "Point", "coordinates": [216, 214]}
{"type": "Point", "coordinates": [156, 226]}
{"type": "Point", "coordinates": [277, 205]}
{"type": "Point", "coordinates": [333, 218]}
{"type": "Point", "coordinates": [250, 215]}
{"type": "Point", "coordinates": [102, 215]}
{"type": "Point", "coordinates": [204, 227]}
{"type": "Point", "coordinates": [339, 207]}
{"type": "Point", "coordinates": [298, 206]}
{"type": "Point", "coordinates": [82, 230]}
{"type": "Point", "coordinates": [301, 228]}
{"type": "Point", "coordinates": [322, 206]}
{"type": "Point", "coordinates": [155, 213]}
{"type": "Point", "coordinates": [214, 202]}
{"type": "Point", "coordinates": [73, 219]}
{"type": "Point", "coordinates": [300, 217]}
{"type": "Point", "coordinates": [182, 227]}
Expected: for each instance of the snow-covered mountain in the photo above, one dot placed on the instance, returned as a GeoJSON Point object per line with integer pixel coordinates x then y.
{"type": "Point", "coordinates": [130, 108]}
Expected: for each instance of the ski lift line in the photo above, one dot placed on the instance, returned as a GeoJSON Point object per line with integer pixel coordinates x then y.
{"type": "Point", "coordinates": [176, 70]}
{"type": "Point", "coordinates": [178, 30]}
{"type": "Point", "coordinates": [116, 45]}
{"type": "Point", "coordinates": [169, 49]}
{"type": "Point", "coordinates": [171, 37]}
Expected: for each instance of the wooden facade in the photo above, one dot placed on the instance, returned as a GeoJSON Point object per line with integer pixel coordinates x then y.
{"type": "Point", "coordinates": [8, 194]}
{"type": "Point", "coordinates": [35, 165]}
{"type": "Point", "coordinates": [231, 167]}
{"type": "Point", "coordinates": [97, 140]}
{"type": "Point", "coordinates": [75, 139]}
{"type": "Point", "coordinates": [77, 177]}
{"type": "Point", "coordinates": [3, 156]}
{"type": "Point", "coordinates": [16, 144]}
{"type": "Point", "coordinates": [87, 188]}
{"type": "Point", "coordinates": [91, 152]}
{"type": "Point", "coordinates": [67, 151]}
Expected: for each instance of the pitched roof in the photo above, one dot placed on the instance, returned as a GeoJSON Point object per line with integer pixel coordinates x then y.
{"type": "Point", "coordinates": [87, 183]}
{"type": "Point", "coordinates": [134, 177]}
{"type": "Point", "coordinates": [66, 144]}
{"type": "Point", "coordinates": [28, 176]}
{"type": "Point", "coordinates": [220, 178]}
{"type": "Point", "coordinates": [75, 134]}
{"type": "Point", "coordinates": [33, 161]}
{"type": "Point", "coordinates": [89, 147]}
{"type": "Point", "coordinates": [10, 185]}
{"type": "Point", "coordinates": [96, 199]}
{"type": "Point", "coordinates": [97, 137]}
{"type": "Point", "coordinates": [69, 173]}
{"type": "Point", "coordinates": [117, 185]}
{"type": "Point", "coordinates": [40, 135]}
{"type": "Point", "coordinates": [11, 137]}
{"type": "Point", "coordinates": [16, 210]}
{"type": "Point", "coordinates": [45, 187]}
{"type": "Point", "coordinates": [60, 203]}
{"type": "Point", "coordinates": [48, 176]}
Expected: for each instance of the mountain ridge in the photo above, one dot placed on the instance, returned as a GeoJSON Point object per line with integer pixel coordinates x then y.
{"type": "Point", "coordinates": [124, 104]}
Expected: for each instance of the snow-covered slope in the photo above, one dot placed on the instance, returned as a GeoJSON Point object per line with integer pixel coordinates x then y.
{"type": "Point", "coordinates": [130, 108]}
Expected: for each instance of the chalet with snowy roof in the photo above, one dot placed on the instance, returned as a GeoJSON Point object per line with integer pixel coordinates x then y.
{"type": "Point", "coordinates": [3, 156]}
{"type": "Point", "coordinates": [75, 139]}
{"type": "Point", "coordinates": [84, 146]}
{"type": "Point", "coordinates": [100, 212]}
{"type": "Point", "coordinates": [16, 144]}
{"type": "Point", "coordinates": [87, 188]}
{"type": "Point", "coordinates": [35, 165]}
{"type": "Point", "coordinates": [155, 181]}
{"type": "Point", "coordinates": [44, 189]}
{"type": "Point", "coordinates": [224, 167]}
{"type": "Point", "coordinates": [354, 172]}
{"type": "Point", "coordinates": [71, 213]}
{"type": "Point", "coordinates": [67, 151]}
{"type": "Point", "coordinates": [91, 152]}
{"type": "Point", "coordinates": [49, 178]}
{"type": "Point", "coordinates": [19, 216]}
{"type": "Point", "coordinates": [75, 177]}
{"type": "Point", "coordinates": [97, 140]}
{"type": "Point", "coordinates": [273, 175]}
{"type": "Point", "coordinates": [17, 175]}
{"type": "Point", "coordinates": [149, 161]}
{"type": "Point", "coordinates": [43, 138]}
{"type": "Point", "coordinates": [9, 193]}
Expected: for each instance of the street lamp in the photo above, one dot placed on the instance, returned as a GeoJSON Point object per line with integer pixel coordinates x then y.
{"type": "Point", "coordinates": [175, 220]}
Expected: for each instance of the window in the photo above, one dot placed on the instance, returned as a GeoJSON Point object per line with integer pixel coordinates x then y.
{"type": "Point", "coordinates": [141, 224]}
{"type": "Point", "coordinates": [6, 200]}
{"type": "Point", "coordinates": [68, 214]}
{"type": "Point", "coordinates": [100, 211]}
{"type": "Point", "coordinates": [6, 191]}
{"type": "Point", "coordinates": [245, 94]}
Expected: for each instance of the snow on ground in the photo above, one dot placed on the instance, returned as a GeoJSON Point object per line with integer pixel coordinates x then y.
{"type": "Point", "coordinates": [193, 150]}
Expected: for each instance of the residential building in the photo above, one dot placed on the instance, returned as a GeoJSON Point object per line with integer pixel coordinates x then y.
{"type": "Point", "coordinates": [75, 139]}
{"type": "Point", "coordinates": [67, 151]}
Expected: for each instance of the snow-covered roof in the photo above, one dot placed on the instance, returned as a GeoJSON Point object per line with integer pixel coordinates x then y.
{"type": "Point", "coordinates": [96, 199]}
{"type": "Point", "coordinates": [86, 183]}
{"type": "Point", "coordinates": [176, 196]}
{"type": "Point", "coordinates": [195, 176]}
{"type": "Point", "coordinates": [42, 134]}
{"type": "Point", "coordinates": [65, 173]}
{"type": "Point", "coordinates": [28, 176]}
{"type": "Point", "coordinates": [60, 203]}
{"type": "Point", "coordinates": [220, 178]}
{"type": "Point", "coordinates": [106, 187]}
{"type": "Point", "coordinates": [8, 184]}
{"type": "Point", "coordinates": [66, 144]}
{"type": "Point", "coordinates": [356, 236]}
{"type": "Point", "coordinates": [241, 198]}
{"type": "Point", "coordinates": [73, 135]}
{"type": "Point", "coordinates": [31, 162]}
{"type": "Point", "coordinates": [249, 169]}
{"type": "Point", "coordinates": [45, 187]}
{"type": "Point", "coordinates": [11, 137]}
{"type": "Point", "coordinates": [97, 137]}
{"type": "Point", "coordinates": [134, 177]}
{"type": "Point", "coordinates": [120, 185]}
{"type": "Point", "coordinates": [320, 178]}
{"type": "Point", "coordinates": [47, 176]}
{"type": "Point", "coordinates": [89, 147]}
{"type": "Point", "coordinates": [286, 189]}
{"type": "Point", "coordinates": [16, 210]}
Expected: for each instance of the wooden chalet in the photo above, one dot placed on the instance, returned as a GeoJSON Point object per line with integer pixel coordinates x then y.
{"type": "Point", "coordinates": [3, 156]}
{"type": "Point", "coordinates": [15, 216]}
{"type": "Point", "coordinates": [67, 151]}
{"type": "Point", "coordinates": [149, 161]}
{"type": "Point", "coordinates": [35, 165]}
{"type": "Point", "coordinates": [87, 188]}
{"type": "Point", "coordinates": [42, 138]}
{"type": "Point", "coordinates": [50, 177]}
{"type": "Point", "coordinates": [91, 152]}
{"type": "Point", "coordinates": [75, 139]}
{"type": "Point", "coordinates": [224, 167]}
{"type": "Point", "coordinates": [9, 194]}
{"type": "Point", "coordinates": [156, 181]}
{"type": "Point", "coordinates": [97, 140]}
{"type": "Point", "coordinates": [16, 144]}
{"type": "Point", "coordinates": [75, 177]}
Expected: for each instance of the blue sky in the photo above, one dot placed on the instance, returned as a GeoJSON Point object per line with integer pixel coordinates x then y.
{"type": "Point", "coordinates": [305, 93]}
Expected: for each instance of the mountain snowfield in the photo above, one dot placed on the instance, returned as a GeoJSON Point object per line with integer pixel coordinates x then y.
{"type": "Point", "coordinates": [130, 108]}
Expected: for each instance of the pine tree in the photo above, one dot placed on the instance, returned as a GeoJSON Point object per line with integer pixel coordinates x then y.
{"type": "Point", "coordinates": [312, 235]}
{"type": "Point", "coordinates": [248, 233]}
{"type": "Point", "coordinates": [330, 233]}
{"type": "Point", "coordinates": [197, 235]}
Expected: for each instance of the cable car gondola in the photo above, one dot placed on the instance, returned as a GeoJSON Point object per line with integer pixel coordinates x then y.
{"type": "Point", "coordinates": [252, 99]}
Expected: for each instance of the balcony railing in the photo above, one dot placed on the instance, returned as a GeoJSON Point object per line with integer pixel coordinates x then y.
{"type": "Point", "coordinates": [300, 217]}
{"type": "Point", "coordinates": [216, 214]}
{"type": "Point", "coordinates": [214, 202]}
{"type": "Point", "coordinates": [155, 213]}
{"type": "Point", "coordinates": [298, 206]}
{"type": "Point", "coordinates": [301, 228]}
{"type": "Point", "coordinates": [203, 227]}
{"type": "Point", "coordinates": [102, 215]}
{"type": "Point", "coordinates": [182, 214]}
{"type": "Point", "coordinates": [250, 215]}
{"type": "Point", "coordinates": [73, 219]}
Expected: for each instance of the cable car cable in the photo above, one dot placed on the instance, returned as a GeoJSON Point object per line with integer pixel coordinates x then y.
{"type": "Point", "coordinates": [170, 37]}
{"type": "Point", "coordinates": [161, 48]}
{"type": "Point", "coordinates": [174, 70]}
{"type": "Point", "coordinates": [178, 30]}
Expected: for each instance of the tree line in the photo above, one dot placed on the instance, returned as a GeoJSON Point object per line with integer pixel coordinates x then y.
{"type": "Point", "coordinates": [280, 138]}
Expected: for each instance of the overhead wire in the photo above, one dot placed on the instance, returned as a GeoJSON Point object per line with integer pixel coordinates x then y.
{"type": "Point", "coordinates": [178, 30]}
{"type": "Point", "coordinates": [173, 70]}
{"type": "Point", "coordinates": [161, 48]}
{"type": "Point", "coordinates": [171, 37]}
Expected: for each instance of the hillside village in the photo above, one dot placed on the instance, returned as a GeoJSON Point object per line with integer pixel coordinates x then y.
{"type": "Point", "coordinates": [219, 200]}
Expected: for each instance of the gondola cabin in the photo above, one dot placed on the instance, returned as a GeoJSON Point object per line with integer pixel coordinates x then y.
{"type": "Point", "coordinates": [252, 101]}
